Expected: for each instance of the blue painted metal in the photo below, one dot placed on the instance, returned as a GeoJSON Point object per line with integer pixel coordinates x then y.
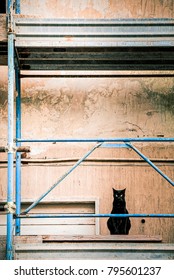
{"type": "Point", "coordinates": [62, 178]}
{"type": "Point", "coordinates": [18, 8]}
{"type": "Point", "coordinates": [151, 164]}
{"type": "Point", "coordinates": [96, 216]}
{"type": "Point", "coordinates": [101, 140]}
{"type": "Point", "coordinates": [18, 154]}
{"type": "Point", "coordinates": [8, 6]}
{"type": "Point", "coordinates": [10, 143]}
{"type": "Point", "coordinates": [113, 145]}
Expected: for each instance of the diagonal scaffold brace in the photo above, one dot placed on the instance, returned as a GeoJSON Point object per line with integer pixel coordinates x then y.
{"type": "Point", "coordinates": [61, 178]}
{"type": "Point", "coordinates": [150, 163]}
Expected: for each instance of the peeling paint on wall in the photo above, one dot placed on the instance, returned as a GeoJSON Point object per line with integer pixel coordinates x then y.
{"type": "Point", "coordinates": [99, 108]}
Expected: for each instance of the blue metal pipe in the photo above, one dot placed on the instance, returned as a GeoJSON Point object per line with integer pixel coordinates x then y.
{"type": "Point", "coordinates": [101, 140]}
{"type": "Point", "coordinates": [151, 164]}
{"type": "Point", "coordinates": [113, 145]}
{"type": "Point", "coordinates": [18, 8]}
{"type": "Point", "coordinates": [61, 178]}
{"type": "Point", "coordinates": [18, 154]}
{"type": "Point", "coordinates": [95, 216]}
{"type": "Point", "coordinates": [9, 2]}
{"type": "Point", "coordinates": [9, 253]}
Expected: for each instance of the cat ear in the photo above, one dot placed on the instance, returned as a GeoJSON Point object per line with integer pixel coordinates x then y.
{"type": "Point", "coordinates": [113, 190]}
{"type": "Point", "coordinates": [124, 190]}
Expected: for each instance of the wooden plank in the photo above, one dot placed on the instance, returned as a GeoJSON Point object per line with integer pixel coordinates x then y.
{"type": "Point", "coordinates": [95, 255]}
{"type": "Point", "coordinates": [90, 250]}
{"type": "Point", "coordinates": [85, 238]}
{"type": "Point", "coordinates": [101, 238]}
{"type": "Point", "coordinates": [27, 239]}
{"type": "Point", "coordinates": [95, 246]}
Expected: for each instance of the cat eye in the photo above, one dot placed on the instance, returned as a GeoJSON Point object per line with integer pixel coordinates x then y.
{"type": "Point", "coordinates": [118, 195]}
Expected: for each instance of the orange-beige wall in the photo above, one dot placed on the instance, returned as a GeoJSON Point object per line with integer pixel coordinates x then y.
{"type": "Point", "coordinates": [85, 108]}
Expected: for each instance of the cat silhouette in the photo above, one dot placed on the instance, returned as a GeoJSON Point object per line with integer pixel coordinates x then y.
{"type": "Point", "coordinates": [119, 225]}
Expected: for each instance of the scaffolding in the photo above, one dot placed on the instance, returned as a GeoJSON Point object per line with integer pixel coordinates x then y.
{"type": "Point", "coordinates": [101, 42]}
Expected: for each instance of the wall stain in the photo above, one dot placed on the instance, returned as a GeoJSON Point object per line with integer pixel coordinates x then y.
{"type": "Point", "coordinates": [163, 100]}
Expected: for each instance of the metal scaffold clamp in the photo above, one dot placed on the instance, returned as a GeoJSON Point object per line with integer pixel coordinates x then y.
{"type": "Point", "coordinates": [14, 149]}
{"type": "Point", "coordinates": [10, 207]}
{"type": "Point", "coordinates": [10, 149]}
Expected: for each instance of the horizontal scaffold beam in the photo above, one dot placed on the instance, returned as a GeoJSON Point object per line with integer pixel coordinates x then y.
{"type": "Point", "coordinates": [23, 216]}
{"type": "Point", "coordinates": [103, 44]}
{"type": "Point", "coordinates": [101, 140]}
{"type": "Point", "coordinates": [93, 33]}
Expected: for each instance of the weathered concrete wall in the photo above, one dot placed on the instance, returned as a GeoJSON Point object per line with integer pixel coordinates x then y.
{"type": "Point", "coordinates": [92, 108]}
{"type": "Point", "coordinates": [65, 108]}
{"type": "Point", "coordinates": [68, 108]}
{"type": "Point", "coordinates": [99, 8]}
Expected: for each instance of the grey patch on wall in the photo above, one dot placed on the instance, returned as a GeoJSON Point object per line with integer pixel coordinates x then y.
{"type": "Point", "coordinates": [57, 99]}
{"type": "Point", "coordinates": [95, 97]}
{"type": "Point", "coordinates": [3, 96]}
{"type": "Point", "coordinates": [163, 100]}
{"type": "Point", "coordinates": [3, 102]}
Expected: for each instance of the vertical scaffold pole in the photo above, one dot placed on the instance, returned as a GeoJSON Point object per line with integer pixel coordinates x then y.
{"type": "Point", "coordinates": [18, 134]}
{"type": "Point", "coordinates": [18, 154]}
{"type": "Point", "coordinates": [9, 242]}
{"type": "Point", "coordinates": [10, 143]}
{"type": "Point", "coordinates": [8, 6]}
{"type": "Point", "coordinates": [17, 8]}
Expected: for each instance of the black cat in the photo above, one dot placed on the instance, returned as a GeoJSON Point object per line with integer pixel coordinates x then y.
{"type": "Point", "coordinates": [119, 225]}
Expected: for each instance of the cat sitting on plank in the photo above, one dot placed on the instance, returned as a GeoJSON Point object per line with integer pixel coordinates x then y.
{"type": "Point", "coordinates": [119, 225]}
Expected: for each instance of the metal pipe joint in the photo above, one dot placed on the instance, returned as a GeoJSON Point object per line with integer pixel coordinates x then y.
{"type": "Point", "coordinates": [10, 207]}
